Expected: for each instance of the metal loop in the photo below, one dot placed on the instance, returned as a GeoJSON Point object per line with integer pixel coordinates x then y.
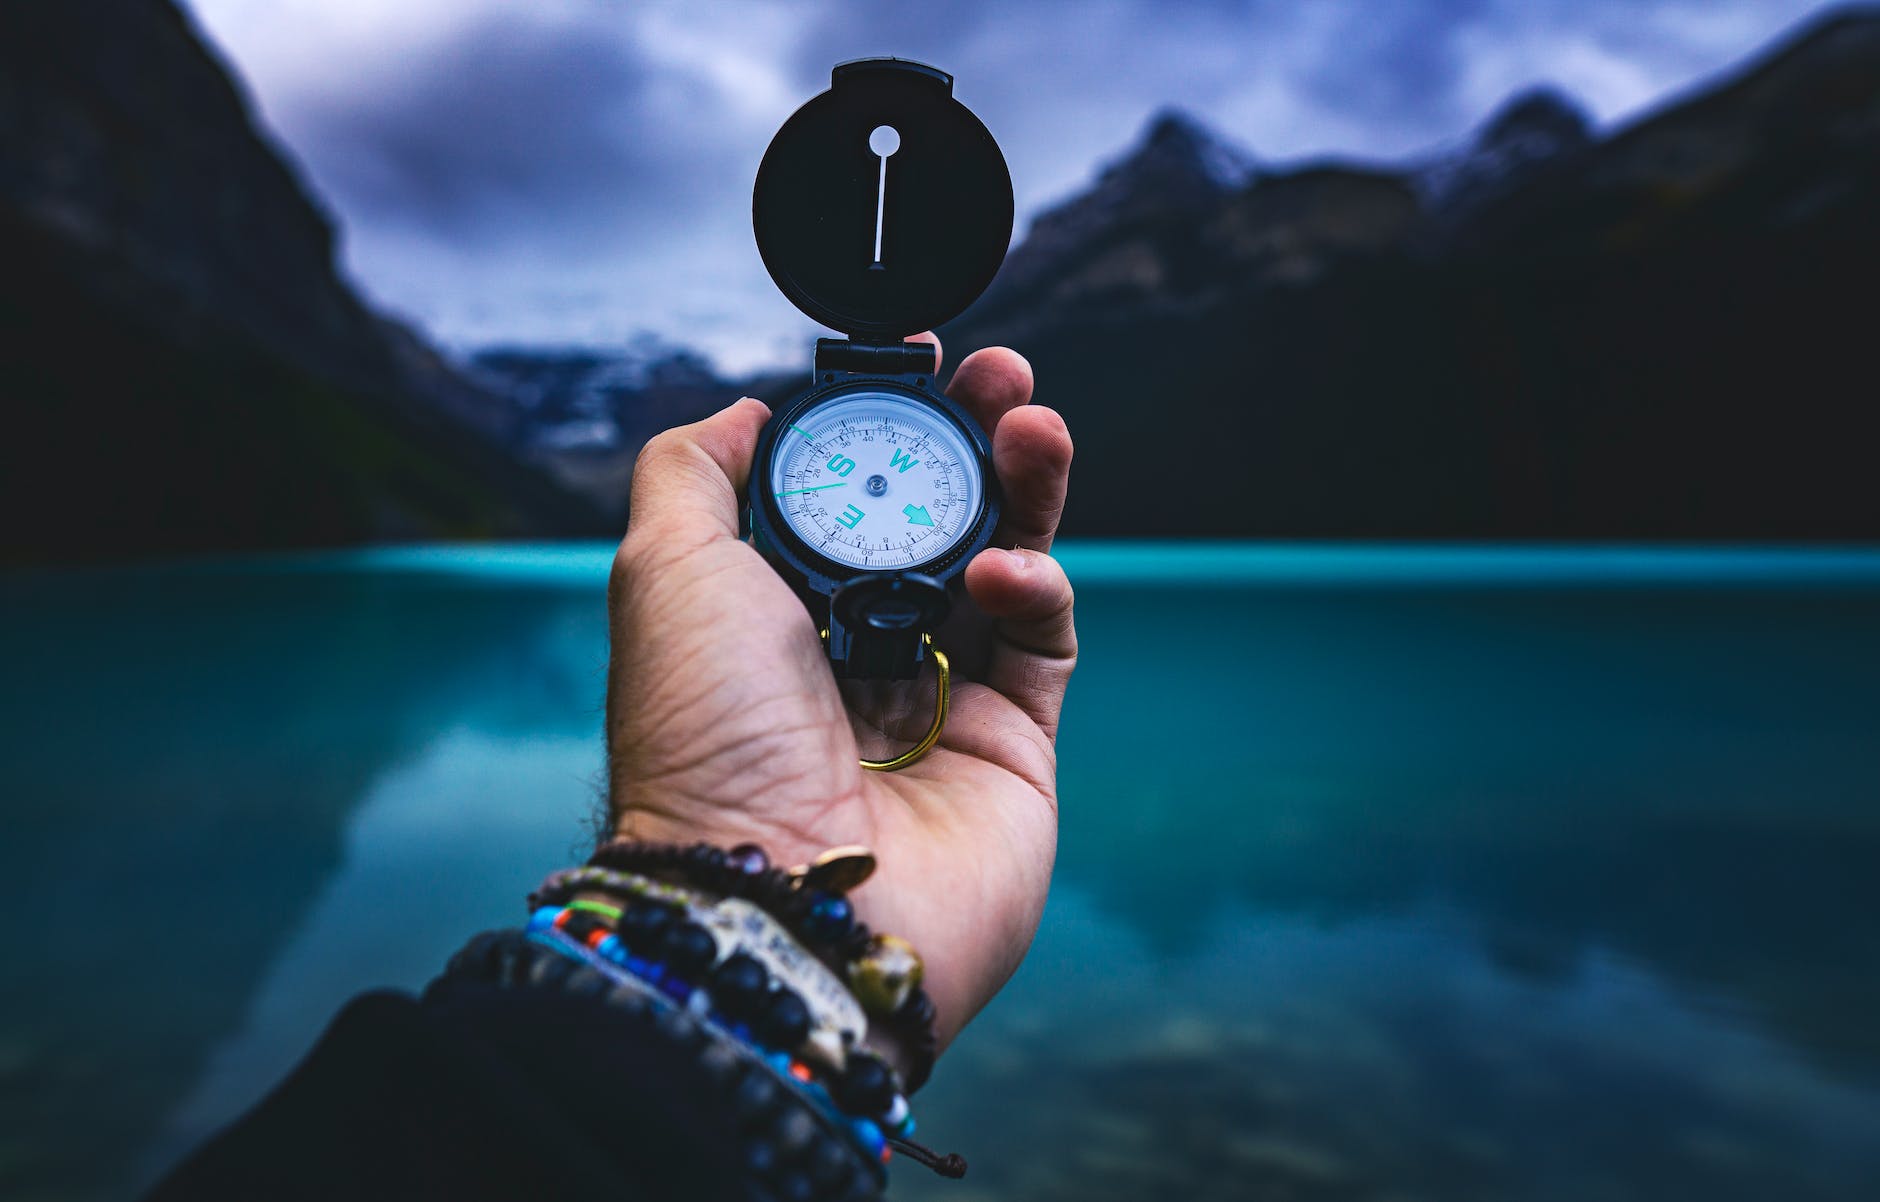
{"type": "Point", "coordinates": [942, 693]}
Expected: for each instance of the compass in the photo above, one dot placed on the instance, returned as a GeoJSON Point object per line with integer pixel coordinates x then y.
{"type": "Point", "coordinates": [883, 207]}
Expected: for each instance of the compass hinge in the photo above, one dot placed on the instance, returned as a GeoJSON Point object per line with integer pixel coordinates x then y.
{"type": "Point", "coordinates": [874, 359]}
{"type": "Point", "coordinates": [879, 624]}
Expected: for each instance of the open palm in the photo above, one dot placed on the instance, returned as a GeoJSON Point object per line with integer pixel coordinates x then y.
{"type": "Point", "coordinates": [725, 724]}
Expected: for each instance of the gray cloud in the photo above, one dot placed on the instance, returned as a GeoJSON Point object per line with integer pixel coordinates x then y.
{"type": "Point", "coordinates": [506, 128]}
{"type": "Point", "coordinates": [1397, 67]}
{"type": "Point", "coordinates": [570, 170]}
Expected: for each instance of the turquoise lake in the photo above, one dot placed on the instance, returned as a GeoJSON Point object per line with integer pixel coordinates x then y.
{"type": "Point", "coordinates": [1448, 873]}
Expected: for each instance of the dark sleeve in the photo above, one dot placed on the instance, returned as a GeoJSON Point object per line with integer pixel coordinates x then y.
{"type": "Point", "coordinates": [478, 1092]}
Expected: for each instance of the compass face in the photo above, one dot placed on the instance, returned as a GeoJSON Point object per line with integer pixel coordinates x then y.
{"type": "Point", "coordinates": [877, 481]}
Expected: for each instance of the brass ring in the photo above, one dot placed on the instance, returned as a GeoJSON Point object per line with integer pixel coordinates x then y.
{"type": "Point", "coordinates": [941, 694]}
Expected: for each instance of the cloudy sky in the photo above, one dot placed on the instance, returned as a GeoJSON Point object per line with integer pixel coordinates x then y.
{"type": "Point", "coordinates": [579, 171]}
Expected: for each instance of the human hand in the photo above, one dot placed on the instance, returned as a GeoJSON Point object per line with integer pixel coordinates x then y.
{"type": "Point", "coordinates": [725, 724]}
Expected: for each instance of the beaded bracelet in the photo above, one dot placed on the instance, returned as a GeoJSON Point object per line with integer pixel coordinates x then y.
{"type": "Point", "coordinates": [559, 886]}
{"type": "Point", "coordinates": [652, 909]}
{"type": "Point", "coordinates": [787, 1143]}
{"type": "Point", "coordinates": [883, 971]}
{"type": "Point", "coordinates": [663, 934]}
{"type": "Point", "coordinates": [737, 996]}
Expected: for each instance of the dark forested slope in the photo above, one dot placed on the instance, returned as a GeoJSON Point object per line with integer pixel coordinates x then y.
{"type": "Point", "coordinates": [181, 366]}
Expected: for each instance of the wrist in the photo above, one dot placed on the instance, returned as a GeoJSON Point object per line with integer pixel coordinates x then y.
{"type": "Point", "coordinates": [791, 1143]}
{"type": "Point", "coordinates": [775, 958]}
{"type": "Point", "coordinates": [811, 902]}
{"type": "Point", "coordinates": [892, 1049]}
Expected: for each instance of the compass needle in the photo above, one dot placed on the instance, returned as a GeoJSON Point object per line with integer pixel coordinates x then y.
{"type": "Point", "coordinates": [817, 488]}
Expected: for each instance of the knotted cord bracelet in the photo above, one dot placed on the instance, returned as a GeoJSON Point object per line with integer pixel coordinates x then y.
{"type": "Point", "coordinates": [863, 1095]}
{"type": "Point", "coordinates": [560, 886]}
{"type": "Point", "coordinates": [789, 1146]}
{"type": "Point", "coordinates": [822, 918]}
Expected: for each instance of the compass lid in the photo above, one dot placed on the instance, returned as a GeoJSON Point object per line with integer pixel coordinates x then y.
{"type": "Point", "coordinates": [883, 245]}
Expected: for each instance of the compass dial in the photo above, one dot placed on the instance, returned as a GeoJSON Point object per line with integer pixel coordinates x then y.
{"type": "Point", "coordinates": [877, 481]}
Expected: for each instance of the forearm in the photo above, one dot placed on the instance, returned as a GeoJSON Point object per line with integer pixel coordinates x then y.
{"type": "Point", "coordinates": [474, 1092]}
{"type": "Point", "coordinates": [647, 1035]}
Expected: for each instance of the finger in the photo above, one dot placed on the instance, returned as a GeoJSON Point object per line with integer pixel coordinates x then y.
{"type": "Point", "coordinates": [990, 384]}
{"type": "Point", "coordinates": [938, 354]}
{"type": "Point", "coordinates": [688, 482]}
{"type": "Point", "coordinates": [1035, 642]}
{"type": "Point", "coordinates": [1031, 451]}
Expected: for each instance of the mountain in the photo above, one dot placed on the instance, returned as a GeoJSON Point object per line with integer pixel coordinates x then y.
{"type": "Point", "coordinates": [1549, 331]}
{"type": "Point", "coordinates": [1179, 169]}
{"type": "Point", "coordinates": [1664, 332]}
{"type": "Point", "coordinates": [1538, 130]}
{"type": "Point", "coordinates": [181, 365]}
{"type": "Point", "coordinates": [582, 413]}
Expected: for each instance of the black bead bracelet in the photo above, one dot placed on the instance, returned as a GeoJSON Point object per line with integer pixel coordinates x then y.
{"type": "Point", "coordinates": [821, 919]}
{"type": "Point", "coordinates": [740, 988]}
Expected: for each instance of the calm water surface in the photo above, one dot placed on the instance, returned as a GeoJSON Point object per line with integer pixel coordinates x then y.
{"type": "Point", "coordinates": [1384, 874]}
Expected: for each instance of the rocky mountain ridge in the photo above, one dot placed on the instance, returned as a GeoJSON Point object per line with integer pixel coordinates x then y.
{"type": "Point", "coordinates": [1553, 331]}
{"type": "Point", "coordinates": [1657, 333]}
{"type": "Point", "coordinates": [1539, 129]}
{"type": "Point", "coordinates": [582, 413]}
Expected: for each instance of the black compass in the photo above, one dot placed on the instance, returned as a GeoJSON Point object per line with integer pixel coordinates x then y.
{"type": "Point", "coordinates": [882, 208]}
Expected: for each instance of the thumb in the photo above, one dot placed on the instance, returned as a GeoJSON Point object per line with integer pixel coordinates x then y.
{"type": "Point", "coordinates": [688, 482]}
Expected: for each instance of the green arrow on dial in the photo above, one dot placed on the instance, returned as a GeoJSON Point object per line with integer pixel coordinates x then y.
{"type": "Point", "coordinates": [917, 515]}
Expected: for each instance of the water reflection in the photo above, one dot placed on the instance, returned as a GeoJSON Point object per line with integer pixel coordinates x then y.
{"type": "Point", "coordinates": [441, 845]}
{"type": "Point", "coordinates": [1451, 894]}
{"type": "Point", "coordinates": [1690, 779]}
{"type": "Point", "coordinates": [1421, 891]}
{"type": "Point", "coordinates": [1379, 1058]}
{"type": "Point", "coordinates": [183, 754]}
